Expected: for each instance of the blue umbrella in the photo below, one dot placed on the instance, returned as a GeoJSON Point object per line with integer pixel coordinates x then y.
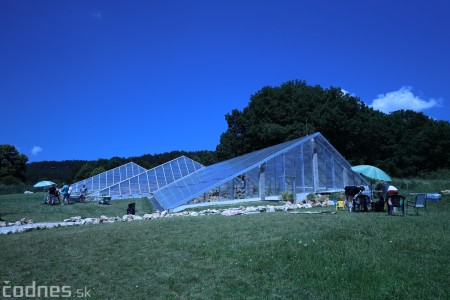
{"type": "Point", "coordinates": [43, 183]}
{"type": "Point", "coordinates": [372, 172]}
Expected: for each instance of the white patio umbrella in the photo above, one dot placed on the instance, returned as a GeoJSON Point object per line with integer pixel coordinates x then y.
{"type": "Point", "coordinates": [43, 183]}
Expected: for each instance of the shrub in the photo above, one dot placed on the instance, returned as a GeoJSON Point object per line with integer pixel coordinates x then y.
{"type": "Point", "coordinates": [288, 196]}
{"type": "Point", "coordinates": [311, 197]}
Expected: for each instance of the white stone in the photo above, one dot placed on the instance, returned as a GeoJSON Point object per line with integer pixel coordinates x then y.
{"type": "Point", "coordinates": [88, 221]}
{"type": "Point", "coordinates": [148, 216]}
{"type": "Point", "coordinates": [270, 209]}
{"type": "Point", "coordinates": [73, 219]}
{"type": "Point", "coordinates": [232, 212]}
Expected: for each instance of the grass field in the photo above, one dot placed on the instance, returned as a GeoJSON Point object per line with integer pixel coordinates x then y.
{"type": "Point", "coordinates": [260, 256]}
{"type": "Point", "coordinates": [18, 206]}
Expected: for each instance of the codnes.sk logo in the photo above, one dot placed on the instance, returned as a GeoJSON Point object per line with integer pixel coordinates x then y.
{"type": "Point", "coordinates": [42, 291]}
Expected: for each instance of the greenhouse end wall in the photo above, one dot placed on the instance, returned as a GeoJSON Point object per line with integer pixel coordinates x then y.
{"type": "Point", "coordinates": [311, 167]}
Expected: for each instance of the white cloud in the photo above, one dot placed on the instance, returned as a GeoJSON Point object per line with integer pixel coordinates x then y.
{"type": "Point", "coordinates": [345, 92]}
{"type": "Point", "coordinates": [36, 149]}
{"type": "Point", "coordinates": [402, 99]}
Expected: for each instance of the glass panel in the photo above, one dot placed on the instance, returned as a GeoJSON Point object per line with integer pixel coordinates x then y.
{"type": "Point", "coordinates": [183, 167]}
{"type": "Point", "coordinates": [95, 183]}
{"type": "Point", "coordinates": [116, 175]}
{"type": "Point", "coordinates": [129, 171]}
{"type": "Point", "coordinates": [160, 177]}
{"type": "Point", "coordinates": [143, 183]}
{"type": "Point", "coordinates": [125, 188]}
{"type": "Point", "coordinates": [114, 190]}
{"type": "Point", "coordinates": [152, 180]}
{"type": "Point", "coordinates": [102, 180]}
{"type": "Point", "coordinates": [168, 173]}
{"type": "Point", "coordinates": [176, 170]}
{"type": "Point", "coordinates": [109, 178]}
{"type": "Point", "coordinates": [123, 173]}
{"type": "Point", "coordinates": [134, 185]}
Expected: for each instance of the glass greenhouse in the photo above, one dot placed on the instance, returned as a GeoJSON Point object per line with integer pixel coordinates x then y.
{"type": "Point", "coordinates": [305, 165]}
{"type": "Point", "coordinates": [132, 180]}
{"type": "Point", "coordinates": [109, 178]}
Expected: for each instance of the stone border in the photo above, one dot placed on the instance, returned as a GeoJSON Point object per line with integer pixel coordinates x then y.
{"type": "Point", "coordinates": [25, 225]}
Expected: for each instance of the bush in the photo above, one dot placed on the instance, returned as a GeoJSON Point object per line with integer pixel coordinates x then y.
{"type": "Point", "coordinates": [311, 197]}
{"type": "Point", "coordinates": [10, 180]}
{"type": "Point", "coordinates": [288, 196]}
{"type": "Point", "coordinates": [337, 196]}
{"type": "Point", "coordinates": [14, 188]}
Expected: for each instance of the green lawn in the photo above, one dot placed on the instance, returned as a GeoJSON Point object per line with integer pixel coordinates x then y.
{"type": "Point", "coordinates": [260, 256]}
{"type": "Point", "coordinates": [16, 207]}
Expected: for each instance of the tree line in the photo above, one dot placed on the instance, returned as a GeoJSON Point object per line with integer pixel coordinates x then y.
{"type": "Point", "coordinates": [403, 143]}
{"type": "Point", "coordinates": [76, 170]}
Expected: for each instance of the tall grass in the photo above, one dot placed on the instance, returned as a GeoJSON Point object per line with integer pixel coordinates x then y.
{"type": "Point", "coordinates": [15, 188]}
{"type": "Point", "coordinates": [432, 182]}
{"type": "Point", "coordinates": [421, 185]}
{"type": "Point", "coordinates": [261, 256]}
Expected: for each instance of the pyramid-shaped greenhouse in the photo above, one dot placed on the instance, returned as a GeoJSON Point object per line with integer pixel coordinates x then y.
{"type": "Point", "coordinates": [131, 180]}
{"type": "Point", "coordinates": [109, 178]}
{"type": "Point", "coordinates": [305, 165]}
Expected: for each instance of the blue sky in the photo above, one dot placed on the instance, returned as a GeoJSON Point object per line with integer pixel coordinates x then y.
{"type": "Point", "coordinates": [97, 79]}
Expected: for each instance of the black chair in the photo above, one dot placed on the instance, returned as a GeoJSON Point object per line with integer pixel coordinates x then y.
{"type": "Point", "coordinates": [131, 210]}
{"type": "Point", "coordinates": [420, 201]}
{"type": "Point", "coordinates": [361, 201]}
{"type": "Point", "coordinates": [396, 201]}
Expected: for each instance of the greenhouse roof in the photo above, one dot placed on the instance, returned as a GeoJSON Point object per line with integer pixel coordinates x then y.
{"type": "Point", "coordinates": [110, 177]}
{"type": "Point", "coordinates": [153, 179]}
{"type": "Point", "coordinates": [205, 179]}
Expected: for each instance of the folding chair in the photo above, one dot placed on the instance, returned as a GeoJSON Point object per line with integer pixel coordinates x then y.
{"type": "Point", "coordinates": [420, 201]}
{"type": "Point", "coordinates": [397, 201]}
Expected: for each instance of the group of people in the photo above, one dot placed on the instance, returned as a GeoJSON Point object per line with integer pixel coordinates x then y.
{"type": "Point", "coordinates": [385, 192]}
{"type": "Point", "coordinates": [54, 194]}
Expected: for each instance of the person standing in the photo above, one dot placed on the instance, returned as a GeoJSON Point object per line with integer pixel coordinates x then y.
{"type": "Point", "coordinates": [382, 189]}
{"type": "Point", "coordinates": [83, 193]}
{"type": "Point", "coordinates": [351, 192]}
{"type": "Point", "coordinates": [392, 190]}
{"type": "Point", "coordinates": [65, 193]}
{"type": "Point", "coordinates": [52, 195]}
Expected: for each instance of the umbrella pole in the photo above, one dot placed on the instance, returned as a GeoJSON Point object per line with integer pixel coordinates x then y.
{"type": "Point", "coordinates": [371, 191]}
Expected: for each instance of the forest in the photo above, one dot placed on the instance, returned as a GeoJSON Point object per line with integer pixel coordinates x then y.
{"type": "Point", "coordinates": [404, 143]}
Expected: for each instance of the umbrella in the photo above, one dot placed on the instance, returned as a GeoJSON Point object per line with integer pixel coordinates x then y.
{"type": "Point", "coordinates": [372, 172]}
{"type": "Point", "coordinates": [44, 183]}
